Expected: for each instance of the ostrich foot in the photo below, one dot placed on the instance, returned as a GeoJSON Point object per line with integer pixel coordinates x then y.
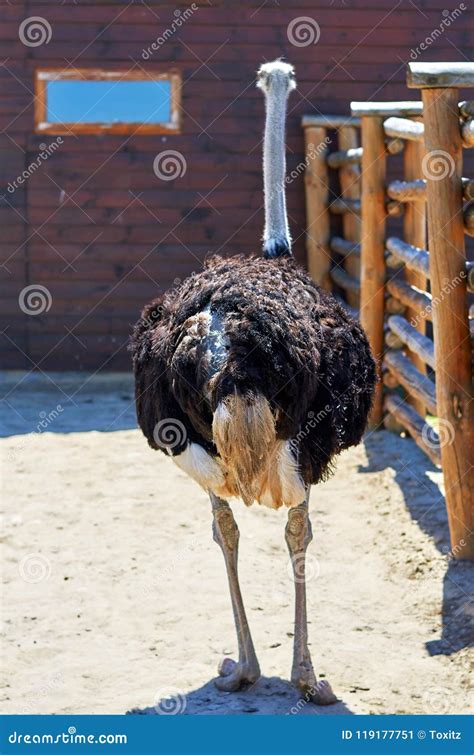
{"type": "Point", "coordinates": [233, 675]}
{"type": "Point", "coordinates": [318, 692]}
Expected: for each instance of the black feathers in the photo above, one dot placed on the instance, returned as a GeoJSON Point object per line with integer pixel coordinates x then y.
{"type": "Point", "coordinates": [285, 338]}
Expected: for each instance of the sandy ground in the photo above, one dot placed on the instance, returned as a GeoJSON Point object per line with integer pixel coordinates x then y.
{"type": "Point", "coordinates": [115, 596]}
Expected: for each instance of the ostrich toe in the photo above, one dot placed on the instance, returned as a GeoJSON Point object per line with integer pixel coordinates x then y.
{"type": "Point", "coordinates": [233, 675]}
{"type": "Point", "coordinates": [319, 692]}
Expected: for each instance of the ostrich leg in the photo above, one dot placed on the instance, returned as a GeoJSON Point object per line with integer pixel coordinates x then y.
{"type": "Point", "coordinates": [226, 534]}
{"type": "Point", "coordinates": [298, 535]}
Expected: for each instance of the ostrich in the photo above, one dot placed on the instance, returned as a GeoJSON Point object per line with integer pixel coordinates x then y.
{"type": "Point", "coordinates": [252, 379]}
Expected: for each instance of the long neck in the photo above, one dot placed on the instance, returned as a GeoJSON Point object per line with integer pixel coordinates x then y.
{"type": "Point", "coordinates": [276, 235]}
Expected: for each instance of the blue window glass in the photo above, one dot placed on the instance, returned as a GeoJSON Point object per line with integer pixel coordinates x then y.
{"type": "Point", "coordinates": [108, 102]}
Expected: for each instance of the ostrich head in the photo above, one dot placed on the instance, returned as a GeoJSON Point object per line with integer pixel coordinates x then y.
{"type": "Point", "coordinates": [276, 80]}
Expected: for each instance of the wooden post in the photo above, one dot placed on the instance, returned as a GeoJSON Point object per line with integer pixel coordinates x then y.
{"type": "Point", "coordinates": [317, 214]}
{"type": "Point", "coordinates": [349, 181]}
{"type": "Point", "coordinates": [373, 247]}
{"type": "Point", "coordinates": [414, 232]}
{"type": "Point", "coordinates": [450, 314]}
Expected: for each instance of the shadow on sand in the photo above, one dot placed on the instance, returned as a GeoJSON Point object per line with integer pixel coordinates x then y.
{"type": "Point", "coordinates": [427, 508]}
{"type": "Point", "coordinates": [268, 696]}
{"type": "Point", "coordinates": [32, 403]}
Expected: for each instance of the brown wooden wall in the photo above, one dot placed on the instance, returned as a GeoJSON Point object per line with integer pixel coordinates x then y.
{"type": "Point", "coordinates": [96, 226]}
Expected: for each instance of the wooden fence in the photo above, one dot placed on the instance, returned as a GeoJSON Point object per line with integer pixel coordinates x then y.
{"type": "Point", "coordinates": [403, 291]}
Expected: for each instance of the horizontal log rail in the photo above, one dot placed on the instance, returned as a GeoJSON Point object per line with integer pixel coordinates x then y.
{"type": "Point", "coordinates": [407, 191]}
{"type": "Point", "coordinates": [466, 109]}
{"type": "Point", "coordinates": [409, 377]}
{"type": "Point", "coordinates": [412, 297]}
{"type": "Point", "coordinates": [467, 131]}
{"type": "Point", "coordinates": [394, 146]}
{"type": "Point", "coordinates": [468, 189]}
{"type": "Point", "coordinates": [344, 280]}
{"type": "Point", "coordinates": [329, 121]}
{"type": "Point", "coordinates": [440, 75]}
{"type": "Point", "coordinates": [402, 128]}
{"type": "Point", "coordinates": [468, 215]}
{"type": "Point", "coordinates": [394, 306]}
{"type": "Point", "coordinates": [415, 191]}
{"type": "Point", "coordinates": [419, 430]}
{"type": "Point", "coordinates": [345, 157]}
{"type": "Point", "coordinates": [415, 341]}
{"type": "Point", "coordinates": [387, 109]}
{"type": "Point", "coordinates": [340, 206]}
{"type": "Point", "coordinates": [344, 247]}
{"type": "Point", "coordinates": [394, 208]}
{"type": "Point", "coordinates": [413, 257]}
{"type": "Point", "coordinates": [470, 276]}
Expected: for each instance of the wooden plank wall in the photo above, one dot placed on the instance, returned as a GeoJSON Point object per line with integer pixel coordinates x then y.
{"type": "Point", "coordinates": [96, 226]}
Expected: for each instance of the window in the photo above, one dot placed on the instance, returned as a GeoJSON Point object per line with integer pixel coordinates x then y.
{"type": "Point", "coordinates": [114, 102]}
